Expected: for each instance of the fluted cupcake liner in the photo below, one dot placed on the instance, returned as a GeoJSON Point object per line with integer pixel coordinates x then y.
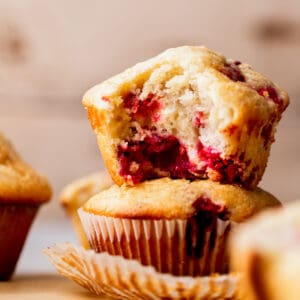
{"type": "Point", "coordinates": [195, 246]}
{"type": "Point", "coordinates": [120, 278]}
{"type": "Point", "coordinates": [15, 222]}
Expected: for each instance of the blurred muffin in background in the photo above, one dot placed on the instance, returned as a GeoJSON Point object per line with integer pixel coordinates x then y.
{"type": "Point", "coordinates": [22, 191]}
{"type": "Point", "coordinates": [75, 194]}
{"type": "Point", "coordinates": [267, 251]}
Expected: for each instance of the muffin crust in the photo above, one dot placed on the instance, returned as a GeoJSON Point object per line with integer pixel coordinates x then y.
{"type": "Point", "coordinates": [18, 181]}
{"type": "Point", "coordinates": [171, 199]}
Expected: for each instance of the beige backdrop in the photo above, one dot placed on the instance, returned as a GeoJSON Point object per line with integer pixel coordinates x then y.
{"type": "Point", "coordinates": [52, 51]}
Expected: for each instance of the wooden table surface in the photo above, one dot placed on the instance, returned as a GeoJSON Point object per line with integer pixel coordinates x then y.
{"type": "Point", "coordinates": [45, 287]}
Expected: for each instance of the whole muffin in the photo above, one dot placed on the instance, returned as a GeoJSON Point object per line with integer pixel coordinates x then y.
{"type": "Point", "coordinates": [178, 226]}
{"type": "Point", "coordinates": [22, 191]}
{"type": "Point", "coordinates": [76, 193]}
{"type": "Point", "coordinates": [186, 113]}
{"type": "Point", "coordinates": [266, 250]}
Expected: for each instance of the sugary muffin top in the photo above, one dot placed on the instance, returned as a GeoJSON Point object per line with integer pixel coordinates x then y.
{"type": "Point", "coordinates": [167, 199]}
{"type": "Point", "coordinates": [19, 182]}
{"type": "Point", "coordinates": [79, 191]}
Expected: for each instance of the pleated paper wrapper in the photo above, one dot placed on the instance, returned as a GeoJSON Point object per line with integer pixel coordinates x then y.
{"type": "Point", "coordinates": [121, 278]}
{"type": "Point", "coordinates": [15, 222]}
{"type": "Point", "coordinates": [194, 246]}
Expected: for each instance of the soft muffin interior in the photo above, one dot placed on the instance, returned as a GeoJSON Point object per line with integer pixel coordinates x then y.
{"type": "Point", "coordinates": [173, 122]}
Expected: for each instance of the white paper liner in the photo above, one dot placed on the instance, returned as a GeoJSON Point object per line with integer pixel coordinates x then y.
{"type": "Point", "coordinates": [163, 244]}
{"type": "Point", "coordinates": [120, 278]}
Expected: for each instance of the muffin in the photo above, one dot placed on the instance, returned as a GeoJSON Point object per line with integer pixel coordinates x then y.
{"type": "Point", "coordinates": [267, 251]}
{"type": "Point", "coordinates": [186, 113]}
{"type": "Point", "coordinates": [177, 226]}
{"type": "Point", "coordinates": [75, 194]}
{"type": "Point", "coordinates": [22, 191]}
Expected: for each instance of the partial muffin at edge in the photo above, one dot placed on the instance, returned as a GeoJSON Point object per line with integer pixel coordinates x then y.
{"type": "Point", "coordinates": [266, 250]}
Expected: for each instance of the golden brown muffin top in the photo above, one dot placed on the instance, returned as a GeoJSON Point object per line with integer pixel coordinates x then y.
{"type": "Point", "coordinates": [76, 193]}
{"type": "Point", "coordinates": [18, 181]}
{"type": "Point", "coordinates": [167, 199]}
{"type": "Point", "coordinates": [195, 60]}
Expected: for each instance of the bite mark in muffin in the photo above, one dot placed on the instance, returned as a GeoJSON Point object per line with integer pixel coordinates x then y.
{"type": "Point", "coordinates": [183, 100]}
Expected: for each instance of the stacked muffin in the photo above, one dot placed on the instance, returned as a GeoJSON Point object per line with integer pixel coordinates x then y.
{"type": "Point", "coordinates": [185, 137]}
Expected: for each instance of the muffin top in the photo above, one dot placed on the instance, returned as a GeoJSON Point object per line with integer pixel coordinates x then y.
{"type": "Point", "coordinates": [76, 193]}
{"type": "Point", "coordinates": [167, 199]}
{"type": "Point", "coordinates": [175, 66]}
{"type": "Point", "coordinates": [18, 181]}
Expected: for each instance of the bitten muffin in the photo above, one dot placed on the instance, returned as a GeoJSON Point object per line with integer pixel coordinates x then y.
{"type": "Point", "coordinates": [75, 194]}
{"type": "Point", "coordinates": [267, 251]}
{"type": "Point", "coordinates": [186, 113]}
{"type": "Point", "coordinates": [22, 191]}
{"type": "Point", "coordinates": [179, 227]}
